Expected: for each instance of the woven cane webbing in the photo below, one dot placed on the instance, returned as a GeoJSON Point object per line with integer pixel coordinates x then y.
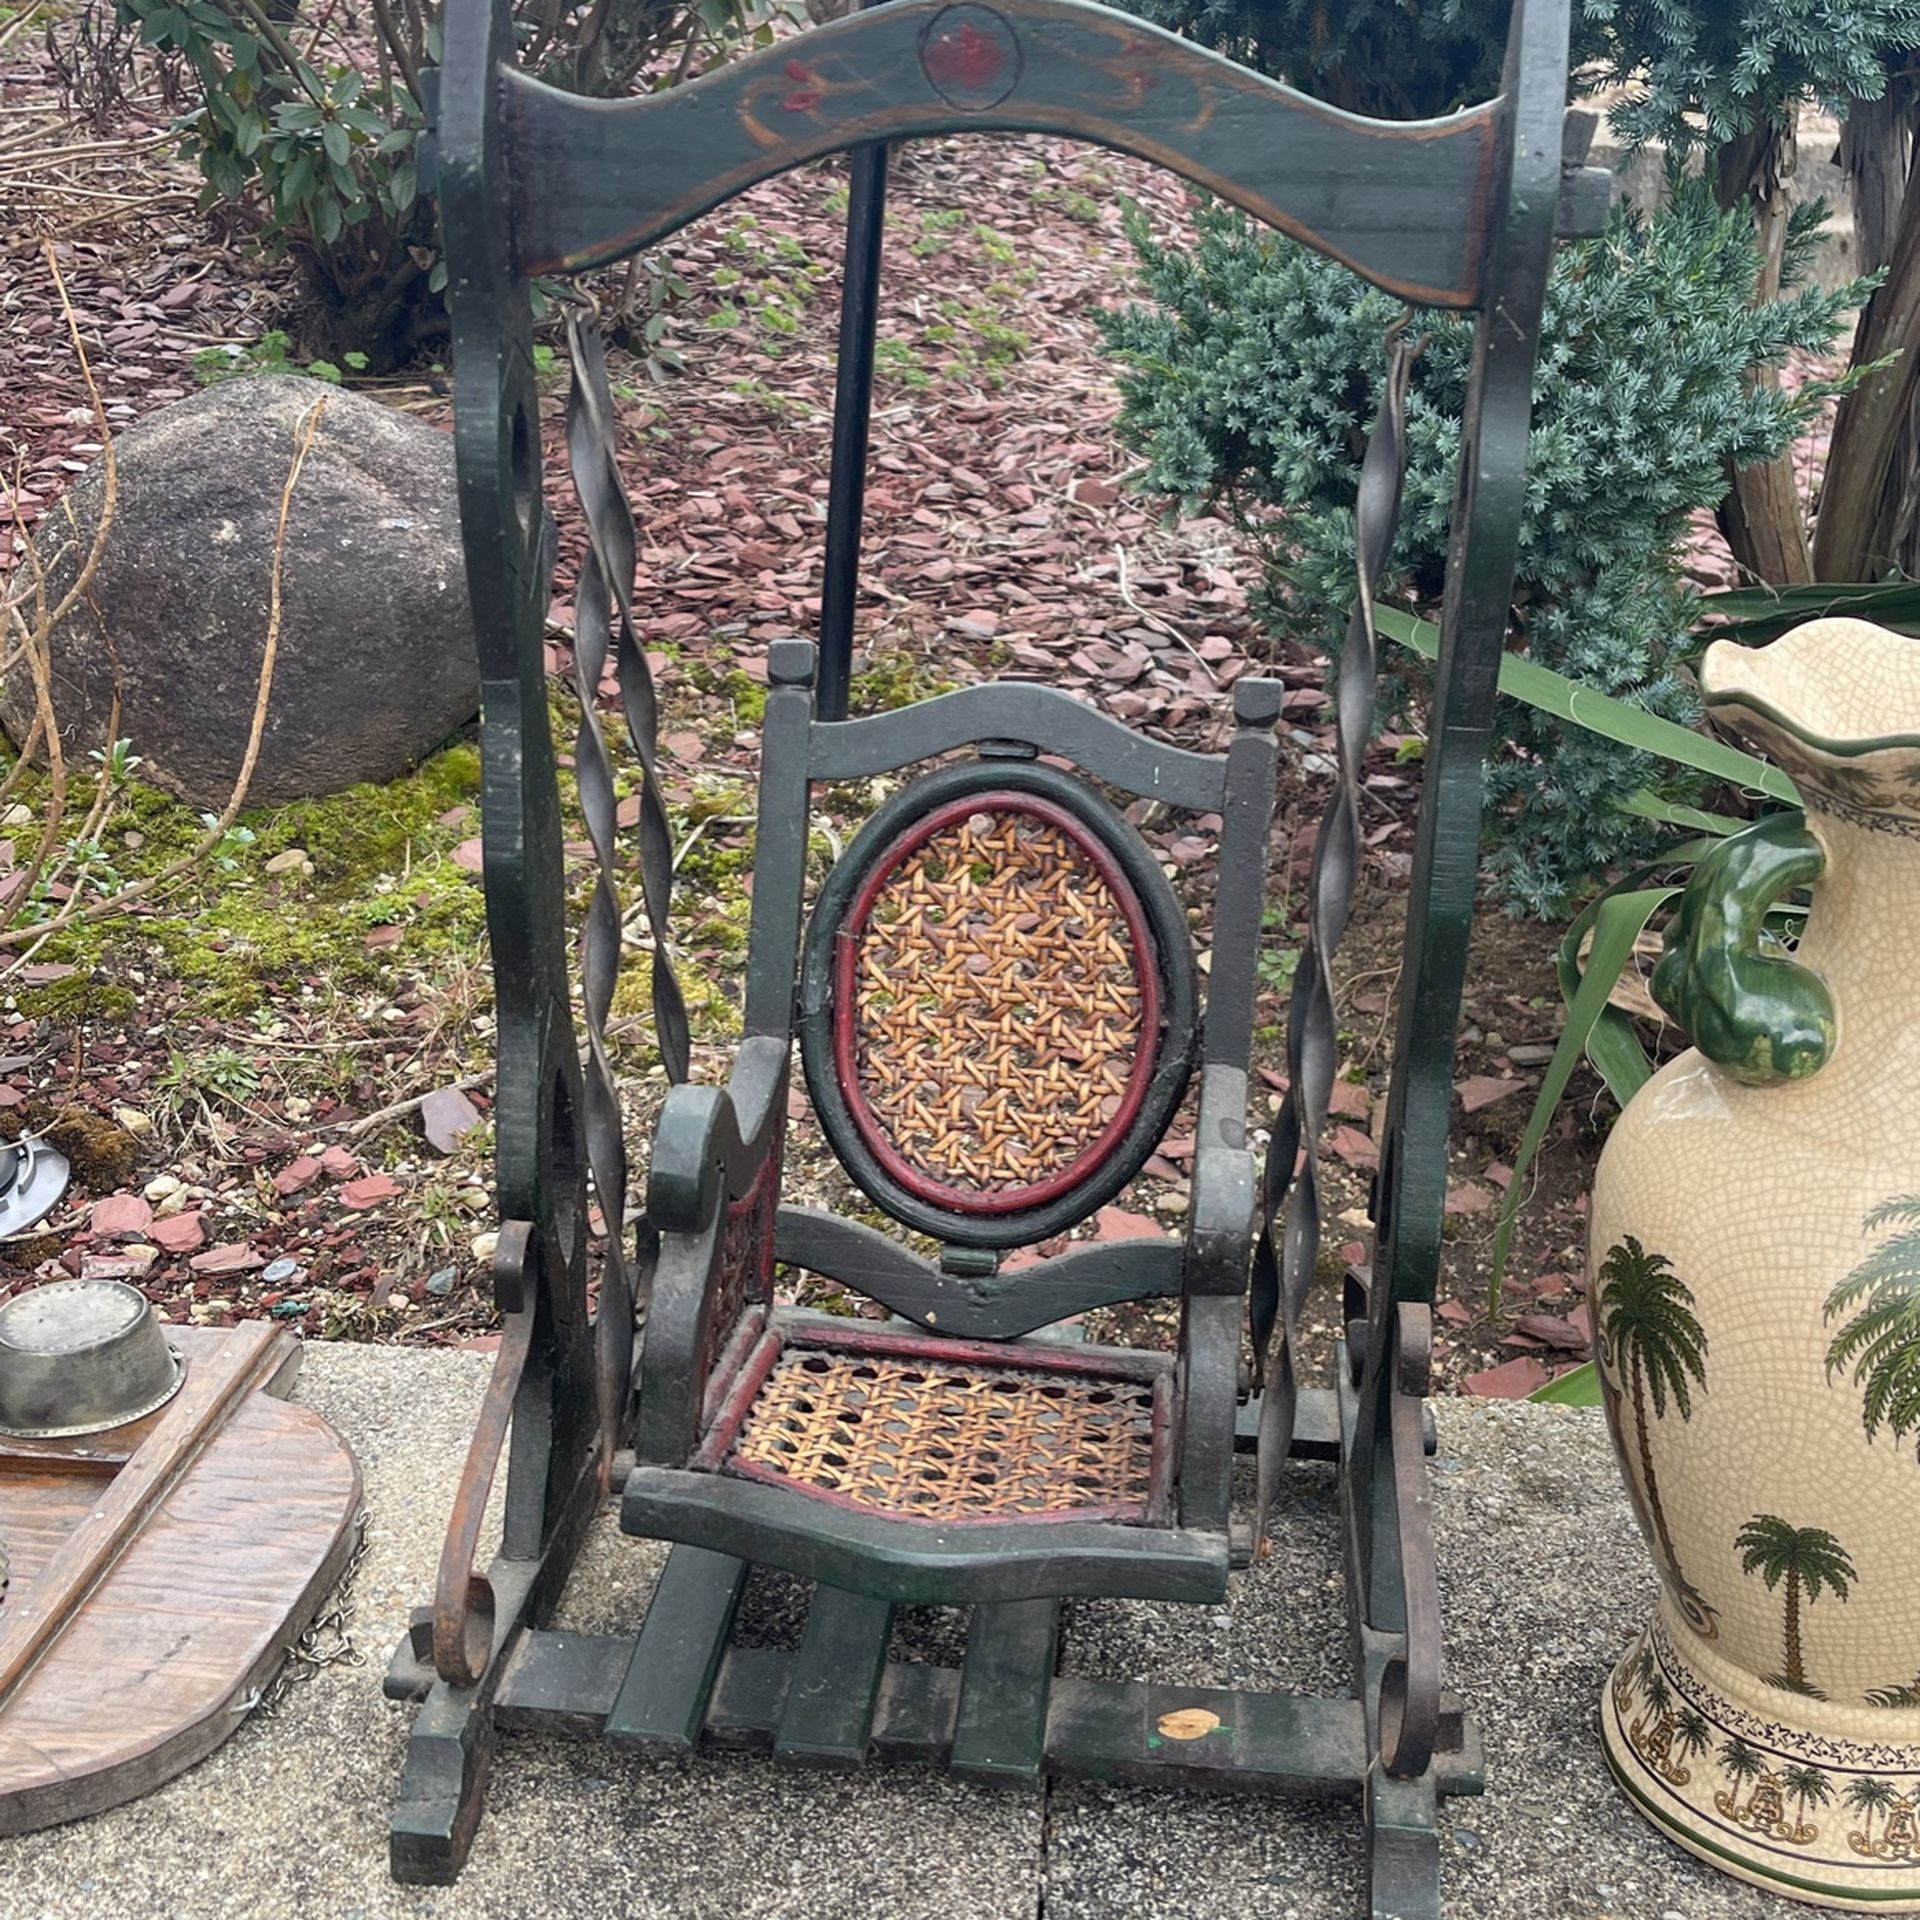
{"type": "Point", "coordinates": [942, 1440]}
{"type": "Point", "coordinates": [746, 1256]}
{"type": "Point", "coordinates": [997, 1002]}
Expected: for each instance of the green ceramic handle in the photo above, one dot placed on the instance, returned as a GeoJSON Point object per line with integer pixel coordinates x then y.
{"type": "Point", "coordinates": [1760, 1017]}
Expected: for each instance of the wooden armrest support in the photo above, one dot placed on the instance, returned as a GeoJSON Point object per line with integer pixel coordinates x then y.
{"type": "Point", "coordinates": [711, 1140]}
{"type": "Point", "coordinates": [1226, 1188]}
{"type": "Point", "coordinates": [710, 1146]}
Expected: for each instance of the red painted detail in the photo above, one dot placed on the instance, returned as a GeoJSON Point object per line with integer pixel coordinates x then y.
{"type": "Point", "coordinates": [806, 94]}
{"type": "Point", "coordinates": [967, 61]}
{"type": "Point", "coordinates": [846, 953]}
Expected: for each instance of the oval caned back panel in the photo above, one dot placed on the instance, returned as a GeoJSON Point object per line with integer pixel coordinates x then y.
{"type": "Point", "coordinates": [995, 991]}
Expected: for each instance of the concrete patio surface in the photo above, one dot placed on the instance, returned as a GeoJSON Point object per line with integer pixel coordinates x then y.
{"type": "Point", "coordinates": [1544, 1581]}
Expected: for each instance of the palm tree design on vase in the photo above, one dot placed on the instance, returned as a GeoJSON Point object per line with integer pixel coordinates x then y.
{"type": "Point", "coordinates": [1810, 1786]}
{"type": "Point", "coordinates": [1746, 1765]}
{"type": "Point", "coordinates": [1667, 1740]}
{"type": "Point", "coordinates": [1692, 1736]}
{"type": "Point", "coordinates": [1811, 1562]}
{"type": "Point", "coordinates": [1867, 1796]}
{"type": "Point", "coordinates": [1907, 1694]}
{"type": "Point", "coordinates": [1881, 1342]}
{"type": "Point", "coordinates": [1648, 1333]}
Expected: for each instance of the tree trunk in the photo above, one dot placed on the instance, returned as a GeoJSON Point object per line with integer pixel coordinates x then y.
{"type": "Point", "coordinates": [1761, 517]}
{"type": "Point", "coordinates": [1647, 1478]}
{"type": "Point", "coordinates": [1796, 1675]}
{"type": "Point", "coordinates": [1868, 501]}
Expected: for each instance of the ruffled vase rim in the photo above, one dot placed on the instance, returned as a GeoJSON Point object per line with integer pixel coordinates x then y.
{"type": "Point", "coordinates": [1816, 683]}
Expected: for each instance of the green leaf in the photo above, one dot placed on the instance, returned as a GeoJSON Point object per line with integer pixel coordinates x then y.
{"type": "Point", "coordinates": [1599, 713]}
{"type": "Point", "coordinates": [1650, 806]}
{"type": "Point", "coordinates": [1578, 1387]}
{"type": "Point", "coordinates": [403, 188]}
{"type": "Point", "coordinates": [338, 143]}
{"type": "Point", "coordinates": [1754, 615]}
{"type": "Point", "coordinates": [1618, 921]}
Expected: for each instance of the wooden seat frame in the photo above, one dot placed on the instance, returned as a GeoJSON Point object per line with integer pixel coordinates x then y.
{"type": "Point", "coordinates": [1457, 213]}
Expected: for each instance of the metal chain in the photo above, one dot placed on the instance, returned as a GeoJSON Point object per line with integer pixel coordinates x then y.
{"type": "Point", "coordinates": [1288, 1249]}
{"type": "Point", "coordinates": [326, 1642]}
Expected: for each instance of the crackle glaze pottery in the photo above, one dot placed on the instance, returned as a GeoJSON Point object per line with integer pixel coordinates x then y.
{"type": "Point", "coordinates": [1755, 1281]}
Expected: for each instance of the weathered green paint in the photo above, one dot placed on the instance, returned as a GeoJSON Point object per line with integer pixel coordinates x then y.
{"type": "Point", "coordinates": [1761, 1017]}
{"type": "Point", "coordinates": [1404, 203]}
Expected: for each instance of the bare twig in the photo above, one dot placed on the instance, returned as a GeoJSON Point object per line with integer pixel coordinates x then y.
{"type": "Point", "coordinates": [371, 1123]}
{"type": "Point", "coordinates": [1152, 619]}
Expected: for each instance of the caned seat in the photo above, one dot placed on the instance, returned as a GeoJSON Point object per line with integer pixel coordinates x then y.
{"type": "Point", "coordinates": [980, 1435]}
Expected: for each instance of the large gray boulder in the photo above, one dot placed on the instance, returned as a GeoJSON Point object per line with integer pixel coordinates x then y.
{"type": "Point", "coordinates": [375, 664]}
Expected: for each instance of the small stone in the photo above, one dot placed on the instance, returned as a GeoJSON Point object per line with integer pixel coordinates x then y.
{"type": "Point", "coordinates": [1174, 1203]}
{"type": "Point", "coordinates": [183, 1233]}
{"type": "Point", "coordinates": [280, 1273]}
{"type": "Point", "coordinates": [296, 1176]}
{"type": "Point", "coordinates": [163, 1186]}
{"type": "Point", "coordinates": [17, 816]}
{"type": "Point", "coordinates": [133, 1120]}
{"type": "Point", "coordinates": [483, 1245]}
{"type": "Point", "coordinates": [293, 860]}
{"type": "Point", "coordinates": [118, 1214]}
{"type": "Point", "coordinates": [370, 1191]}
{"type": "Point", "coordinates": [442, 1281]}
{"type": "Point", "coordinates": [445, 1115]}
{"type": "Point", "coordinates": [1530, 1053]}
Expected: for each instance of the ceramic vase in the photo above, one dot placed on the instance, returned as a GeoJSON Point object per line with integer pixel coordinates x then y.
{"type": "Point", "coordinates": [1754, 1264]}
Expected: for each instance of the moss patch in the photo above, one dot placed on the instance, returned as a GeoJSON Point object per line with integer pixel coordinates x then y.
{"type": "Point", "coordinates": [371, 857]}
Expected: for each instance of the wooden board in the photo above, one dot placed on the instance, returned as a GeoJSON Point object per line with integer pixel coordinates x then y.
{"type": "Point", "coordinates": [158, 1575]}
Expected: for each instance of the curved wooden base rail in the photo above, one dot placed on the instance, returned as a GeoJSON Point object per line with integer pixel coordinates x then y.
{"type": "Point", "coordinates": [463, 1602]}
{"type": "Point", "coordinates": [1410, 1681]}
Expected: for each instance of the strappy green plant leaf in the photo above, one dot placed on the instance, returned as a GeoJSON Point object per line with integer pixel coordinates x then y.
{"type": "Point", "coordinates": [1577, 1387]}
{"type": "Point", "coordinates": [1617, 919]}
{"type": "Point", "coordinates": [1753, 616]}
{"type": "Point", "coordinates": [1599, 713]}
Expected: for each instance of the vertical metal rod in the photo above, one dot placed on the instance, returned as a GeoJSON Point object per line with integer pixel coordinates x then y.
{"type": "Point", "coordinates": [852, 415]}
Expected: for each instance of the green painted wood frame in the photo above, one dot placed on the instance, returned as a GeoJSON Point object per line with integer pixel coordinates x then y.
{"type": "Point", "coordinates": [1458, 213]}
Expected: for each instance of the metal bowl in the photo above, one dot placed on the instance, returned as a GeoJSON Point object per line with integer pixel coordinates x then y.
{"type": "Point", "coordinates": [80, 1356]}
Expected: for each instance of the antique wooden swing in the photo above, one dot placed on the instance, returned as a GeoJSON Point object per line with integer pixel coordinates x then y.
{"type": "Point", "coordinates": [995, 1002]}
